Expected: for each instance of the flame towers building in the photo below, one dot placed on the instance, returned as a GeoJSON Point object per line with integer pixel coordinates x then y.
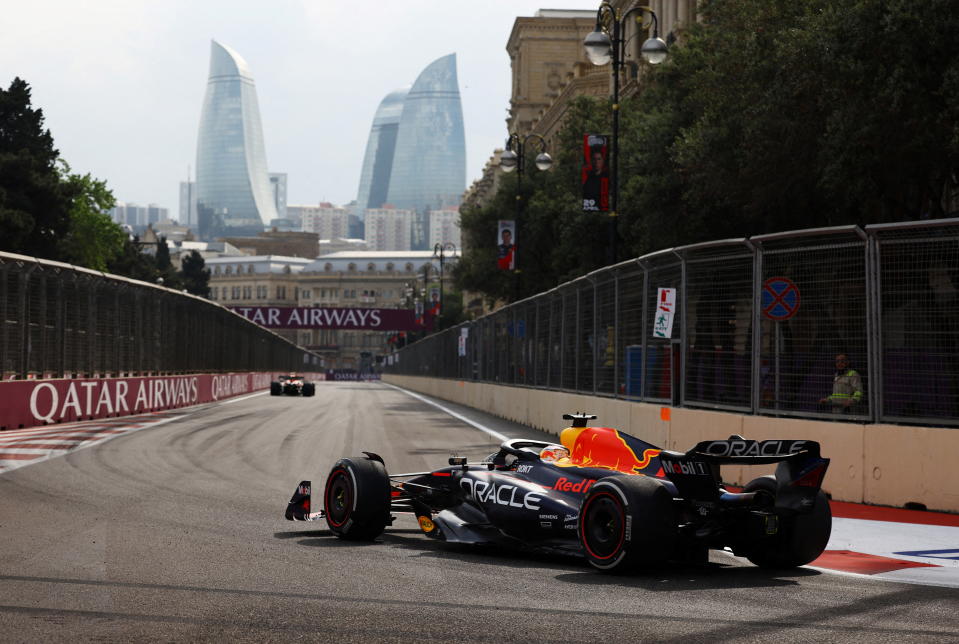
{"type": "Point", "coordinates": [429, 164]}
{"type": "Point", "coordinates": [232, 182]}
{"type": "Point", "coordinates": [380, 150]}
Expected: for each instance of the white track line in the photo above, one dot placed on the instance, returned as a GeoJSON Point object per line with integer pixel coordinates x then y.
{"type": "Point", "coordinates": [483, 428]}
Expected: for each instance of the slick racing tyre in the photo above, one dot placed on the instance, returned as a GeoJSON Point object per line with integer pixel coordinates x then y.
{"type": "Point", "coordinates": [626, 522]}
{"type": "Point", "coordinates": [309, 389]}
{"type": "Point", "coordinates": [276, 389]}
{"type": "Point", "coordinates": [800, 538]}
{"type": "Point", "coordinates": [357, 499]}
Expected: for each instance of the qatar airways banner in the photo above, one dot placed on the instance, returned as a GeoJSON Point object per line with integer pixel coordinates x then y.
{"type": "Point", "coordinates": [305, 317]}
{"type": "Point", "coordinates": [25, 403]}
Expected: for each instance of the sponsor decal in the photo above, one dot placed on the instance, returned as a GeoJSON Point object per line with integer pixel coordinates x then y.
{"type": "Point", "coordinates": [563, 484]}
{"type": "Point", "coordinates": [549, 516]}
{"type": "Point", "coordinates": [301, 317]}
{"type": "Point", "coordinates": [426, 525]}
{"type": "Point", "coordinates": [503, 494]}
{"type": "Point", "coordinates": [693, 468]}
{"type": "Point", "coordinates": [752, 448]}
{"type": "Point", "coordinates": [524, 469]}
{"type": "Point", "coordinates": [571, 517]}
{"type": "Point", "coordinates": [629, 527]}
{"type": "Point", "coordinates": [545, 524]}
{"type": "Point", "coordinates": [92, 398]}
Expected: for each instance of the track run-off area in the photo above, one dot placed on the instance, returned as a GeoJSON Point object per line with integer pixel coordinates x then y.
{"type": "Point", "coordinates": [169, 527]}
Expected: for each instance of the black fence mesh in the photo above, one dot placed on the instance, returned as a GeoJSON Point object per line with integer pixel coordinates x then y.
{"type": "Point", "coordinates": [57, 320]}
{"type": "Point", "coordinates": [755, 325]}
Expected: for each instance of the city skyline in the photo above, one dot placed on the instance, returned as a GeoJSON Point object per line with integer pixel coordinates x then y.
{"type": "Point", "coordinates": [318, 86]}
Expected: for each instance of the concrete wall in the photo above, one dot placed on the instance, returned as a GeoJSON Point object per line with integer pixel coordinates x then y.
{"type": "Point", "coordinates": [879, 464]}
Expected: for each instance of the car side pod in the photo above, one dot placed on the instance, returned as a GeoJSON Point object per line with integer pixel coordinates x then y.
{"type": "Point", "coordinates": [298, 509]}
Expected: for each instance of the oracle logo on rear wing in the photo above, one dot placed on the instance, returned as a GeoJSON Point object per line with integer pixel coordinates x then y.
{"type": "Point", "coordinates": [755, 451]}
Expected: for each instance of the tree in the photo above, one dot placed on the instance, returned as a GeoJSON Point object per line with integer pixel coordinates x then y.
{"type": "Point", "coordinates": [34, 205]}
{"type": "Point", "coordinates": [93, 239]}
{"type": "Point", "coordinates": [164, 267]}
{"type": "Point", "coordinates": [196, 277]}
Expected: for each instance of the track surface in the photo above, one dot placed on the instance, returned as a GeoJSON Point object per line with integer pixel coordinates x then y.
{"type": "Point", "coordinates": [175, 533]}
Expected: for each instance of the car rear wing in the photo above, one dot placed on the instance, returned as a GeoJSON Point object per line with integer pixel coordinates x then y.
{"type": "Point", "coordinates": [799, 474]}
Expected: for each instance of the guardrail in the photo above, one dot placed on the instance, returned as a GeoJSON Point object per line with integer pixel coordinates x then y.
{"type": "Point", "coordinates": [63, 321]}
{"type": "Point", "coordinates": [750, 325]}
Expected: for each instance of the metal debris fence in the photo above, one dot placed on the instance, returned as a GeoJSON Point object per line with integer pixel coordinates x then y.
{"type": "Point", "coordinates": [756, 326]}
{"type": "Point", "coordinates": [64, 321]}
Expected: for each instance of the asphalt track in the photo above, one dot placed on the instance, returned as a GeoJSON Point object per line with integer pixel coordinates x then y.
{"type": "Point", "coordinates": [175, 532]}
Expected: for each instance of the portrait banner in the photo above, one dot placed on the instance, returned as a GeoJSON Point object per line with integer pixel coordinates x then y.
{"type": "Point", "coordinates": [506, 244]}
{"type": "Point", "coordinates": [595, 173]}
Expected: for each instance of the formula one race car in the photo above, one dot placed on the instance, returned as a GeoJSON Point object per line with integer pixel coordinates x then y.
{"type": "Point", "coordinates": [292, 385]}
{"type": "Point", "coordinates": [609, 496]}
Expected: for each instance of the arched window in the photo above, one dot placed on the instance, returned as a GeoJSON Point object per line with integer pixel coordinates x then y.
{"type": "Point", "coordinates": [228, 270]}
{"type": "Point", "coordinates": [328, 267]}
{"type": "Point", "coordinates": [371, 267]}
{"type": "Point", "coordinates": [250, 269]}
{"type": "Point", "coordinates": [389, 266]}
{"type": "Point", "coordinates": [216, 270]}
{"type": "Point", "coordinates": [352, 267]}
{"type": "Point", "coordinates": [409, 267]}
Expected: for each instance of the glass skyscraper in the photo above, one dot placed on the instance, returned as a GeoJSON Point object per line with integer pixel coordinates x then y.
{"type": "Point", "coordinates": [233, 187]}
{"type": "Point", "coordinates": [380, 148]}
{"type": "Point", "coordinates": [429, 164]}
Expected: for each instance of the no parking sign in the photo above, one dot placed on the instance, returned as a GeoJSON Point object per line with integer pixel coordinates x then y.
{"type": "Point", "coordinates": [780, 298]}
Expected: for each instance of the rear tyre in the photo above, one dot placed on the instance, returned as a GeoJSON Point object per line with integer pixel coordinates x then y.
{"type": "Point", "coordinates": [627, 522]}
{"type": "Point", "coordinates": [309, 389]}
{"type": "Point", "coordinates": [801, 538]}
{"type": "Point", "coordinates": [276, 389]}
{"type": "Point", "coordinates": [357, 499]}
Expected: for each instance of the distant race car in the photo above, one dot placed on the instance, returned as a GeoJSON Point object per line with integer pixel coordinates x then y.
{"type": "Point", "coordinates": [292, 385]}
{"type": "Point", "coordinates": [615, 499]}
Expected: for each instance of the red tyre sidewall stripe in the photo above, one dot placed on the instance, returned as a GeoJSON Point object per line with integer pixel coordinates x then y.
{"type": "Point", "coordinates": [622, 525]}
{"type": "Point", "coordinates": [326, 498]}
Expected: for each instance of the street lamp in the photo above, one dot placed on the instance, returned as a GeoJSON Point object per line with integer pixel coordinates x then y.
{"type": "Point", "coordinates": [439, 251]}
{"type": "Point", "coordinates": [514, 158]}
{"type": "Point", "coordinates": [602, 48]}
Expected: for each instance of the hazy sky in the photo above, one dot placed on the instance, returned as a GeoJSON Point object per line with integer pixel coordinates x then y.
{"type": "Point", "coordinates": [121, 82]}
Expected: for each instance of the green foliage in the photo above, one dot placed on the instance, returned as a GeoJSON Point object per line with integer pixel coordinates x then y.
{"type": "Point", "coordinates": [196, 277]}
{"type": "Point", "coordinates": [34, 206]}
{"type": "Point", "coordinates": [93, 239]}
{"type": "Point", "coordinates": [768, 115]}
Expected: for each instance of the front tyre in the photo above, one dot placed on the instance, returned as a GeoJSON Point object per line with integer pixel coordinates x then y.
{"type": "Point", "coordinates": [276, 389]}
{"type": "Point", "coordinates": [627, 522]}
{"type": "Point", "coordinates": [800, 539]}
{"type": "Point", "coordinates": [357, 499]}
{"type": "Point", "coordinates": [309, 389]}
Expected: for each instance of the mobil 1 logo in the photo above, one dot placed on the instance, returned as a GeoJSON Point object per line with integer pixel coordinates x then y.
{"type": "Point", "coordinates": [684, 467]}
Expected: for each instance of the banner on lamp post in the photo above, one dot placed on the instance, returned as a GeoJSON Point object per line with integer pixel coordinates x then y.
{"type": "Point", "coordinates": [595, 173]}
{"type": "Point", "coordinates": [506, 244]}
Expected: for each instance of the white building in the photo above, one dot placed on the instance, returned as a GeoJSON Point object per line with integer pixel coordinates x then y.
{"type": "Point", "coordinates": [445, 227]}
{"type": "Point", "coordinates": [326, 220]}
{"type": "Point", "coordinates": [389, 229]}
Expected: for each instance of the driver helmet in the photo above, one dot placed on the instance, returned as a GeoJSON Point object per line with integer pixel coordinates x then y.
{"type": "Point", "coordinates": [553, 454]}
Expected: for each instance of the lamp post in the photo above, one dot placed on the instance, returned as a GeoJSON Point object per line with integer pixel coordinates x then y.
{"type": "Point", "coordinates": [514, 158]}
{"type": "Point", "coordinates": [439, 251]}
{"type": "Point", "coordinates": [603, 47]}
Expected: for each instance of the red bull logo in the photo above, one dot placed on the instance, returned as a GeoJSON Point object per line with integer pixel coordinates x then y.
{"type": "Point", "coordinates": [604, 447]}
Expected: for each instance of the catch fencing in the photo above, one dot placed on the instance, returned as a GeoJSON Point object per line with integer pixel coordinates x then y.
{"type": "Point", "coordinates": [62, 321]}
{"type": "Point", "coordinates": [749, 325]}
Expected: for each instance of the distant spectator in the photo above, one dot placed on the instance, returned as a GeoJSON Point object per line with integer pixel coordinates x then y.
{"type": "Point", "coordinates": [846, 387]}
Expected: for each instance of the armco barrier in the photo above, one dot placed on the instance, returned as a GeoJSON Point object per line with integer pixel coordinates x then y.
{"type": "Point", "coordinates": [26, 403]}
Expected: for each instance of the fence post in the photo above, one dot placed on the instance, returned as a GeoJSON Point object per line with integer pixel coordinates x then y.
{"type": "Point", "coordinates": [642, 331]}
{"type": "Point", "coordinates": [683, 301]}
{"type": "Point", "coordinates": [874, 325]}
{"type": "Point", "coordinates": [616, 338]}
{"type": "Point", "coordinates": [757, 328]}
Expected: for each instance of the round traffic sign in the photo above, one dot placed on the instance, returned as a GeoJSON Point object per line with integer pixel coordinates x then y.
{"type": "Point", "coordinates": [780, 299]}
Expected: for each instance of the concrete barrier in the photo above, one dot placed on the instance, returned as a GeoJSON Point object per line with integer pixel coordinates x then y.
{"type": "Point", "coordinates": [27, 403]}
{"type": "Point", "coordinates": [880, 464]}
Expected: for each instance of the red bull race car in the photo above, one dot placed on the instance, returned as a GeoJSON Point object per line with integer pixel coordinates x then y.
{"type": "Point", "coordinates": [618, 501]}
{"type": "Point", "coordinates": [292, 385]}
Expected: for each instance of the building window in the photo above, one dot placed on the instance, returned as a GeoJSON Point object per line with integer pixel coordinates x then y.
{"type": "Point", "coordinates": [281, 292]}
{"type": "Point", "coordinates": [328, 267]}
{"type": "Point", "coordinates": [249, 269]}
{"type": "Point", "coordinates": [216, 270]}
{"type": "Point", "coordinates": [371, 267]}
{"type": "Point", "coordinates": [228, 270]}
{"type": "Point", "coordinates": [352, 267]}
{"type": "Point", "coordinates": [247, 292]}
{"type": "Point", "coordinates": [409, 267]}
{"type": "Point", "coordinates": [235, 293]}
{"type": "Point", "coordinates": [390, 266]}
{"type": "Point", "coordinates": [306, 294]}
